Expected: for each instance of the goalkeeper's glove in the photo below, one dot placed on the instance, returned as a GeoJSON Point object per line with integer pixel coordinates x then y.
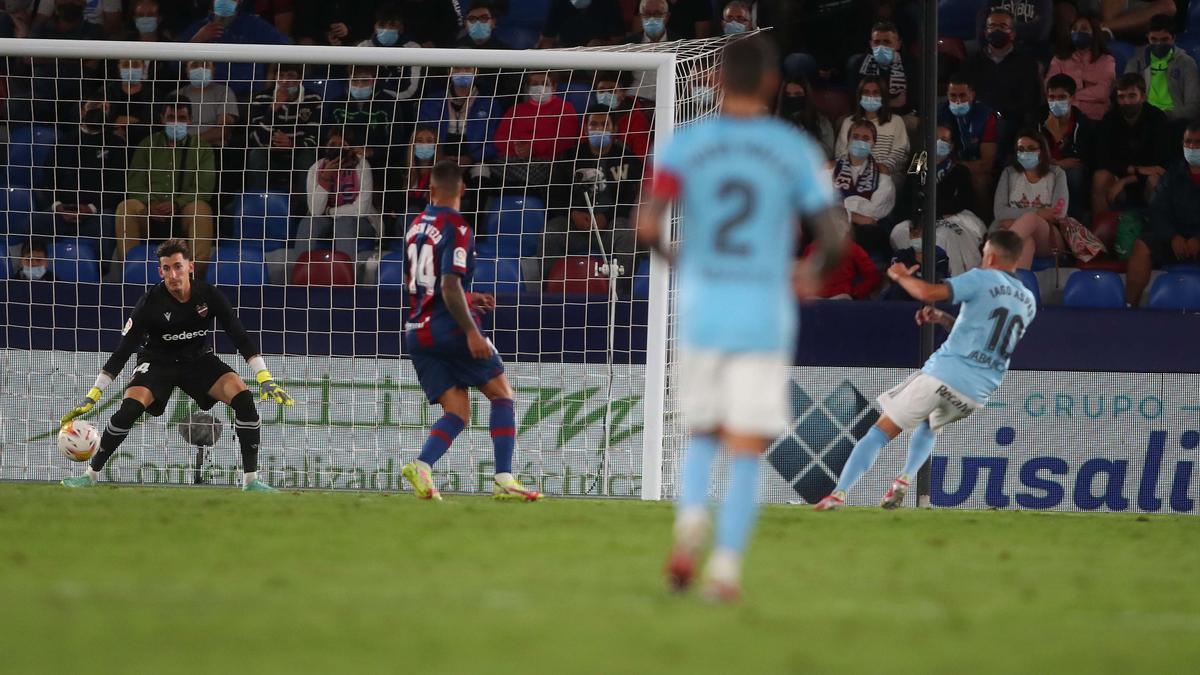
{"type": "Point", "coordinates": [85, 406]}
{"type": "Point", "coordinates": [271, 389]}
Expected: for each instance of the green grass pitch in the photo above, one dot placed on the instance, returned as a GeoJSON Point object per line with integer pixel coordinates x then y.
{"type": "Point", "coordinates": [187, 580]}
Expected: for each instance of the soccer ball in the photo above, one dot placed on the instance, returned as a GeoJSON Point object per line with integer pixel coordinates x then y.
{"type": "Point", "coordinates": [79, 440]}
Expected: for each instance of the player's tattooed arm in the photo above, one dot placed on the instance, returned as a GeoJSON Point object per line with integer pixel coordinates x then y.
{"type": "Point", "coordinates": [921, 291]}
{"type": "Point", "coordinates": [650, 227]}
{"type": "Point", "coordinates": [456, 303]}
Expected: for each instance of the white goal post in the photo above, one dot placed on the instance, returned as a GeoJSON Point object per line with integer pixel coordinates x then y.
{"type": "Point", "coordinates": [676, 68]}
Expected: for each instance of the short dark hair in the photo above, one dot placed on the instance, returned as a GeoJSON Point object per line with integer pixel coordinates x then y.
{"type": "Point", "coordinates": [622, 77]}
{"type": "Point", "coordinates": [1192, 127]}
{"type": "Point", "coordinates": [885, 27]}
{"type": "Point", "coordinates": [1061, 81]}
{"type": "Point", "coordinates": [33, 244]}
{"type": "Point", "coordinates": [960, 78]}
{"type": "Point", "coordinates": [175, 106]}
{"type": "Point", "coordinates": [289, 68]}
{"type": "Point", "coordinates": [1003, 11]}
{"type": "Point", "coordinates": [862, 123]}
{"type": "Point", "coordinates": [1007, 243]}
{"type": "Point", "coordinates": [446, 175]}
{"type": "Point", "coordinates": [1131, 81]}
{"type": "Point", "coordinates": [599, 110]}
{"type": "Point", "coordinates": [1162, 23]}
{"type": "Point", "coordinates": [388, 12]}
{"type": "Point", "coordinates": [746, 63]}
{"type": "Point", "coordinates": [172, 246]}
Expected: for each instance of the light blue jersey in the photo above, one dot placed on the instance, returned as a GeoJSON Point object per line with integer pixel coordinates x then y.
{"type": "Point", "coordinates": [996, 310]}
{"type": "Point", "coordinates": [742, 184]}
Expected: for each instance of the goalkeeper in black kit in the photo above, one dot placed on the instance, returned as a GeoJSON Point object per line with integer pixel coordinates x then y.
{"type": "Point", "coordinates": [169, 329]}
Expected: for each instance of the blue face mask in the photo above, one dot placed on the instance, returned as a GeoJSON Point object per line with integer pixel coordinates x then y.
{"type": "Point", "coordinates": [943, 149]}
{"type": "Point", "coordinates": [200, 77]}
{"type": "Point", "coordinates": [131, 75]}
{"type": "Point", "coordinates": [960, 109]}
{"type": "Point", "coordinates": [176, 132]}
{"type": "Point", "coordinates": [1059, 108]}
{"type": "Point", "coordinates": [480, 31]}
{"type": "Point", "coordinates": [860, 149]}
{"type": "Point", "coordinates": [916, 244]}
{"type": "Point", "coordinates": [608, 99]}
{"type": "Point", "coordinates": [225, 8]}
{"type": "Point", "coordinates": [387, 36]}
{"type": "Point", "coordinates": [871, 103]}
{"type": "Point", "coordinates": [424, 151]}
{"type": "Point", "coordinates": [1029, 160]}
{"type": "Point", "coordinates": [581, 4]}
{"type": "Point", "coordinates": [146, 24]}
{"type": "Point", "coordinates": [34, 273]}
{"type": "Point", "coordinates": [464, 80]}
{"type": "Point", "coordinates": [654, 26]}
{"type": "Point", "coordinates": [1192, 155]}
{"type": "Point", "coordinates": [735, 27]}
{"type": "Point", "coordinates": [599, 139]}
{"type": "Point", "coordinates": [361, 93]}
{"type": "Point", "coordinates": [884, 55]}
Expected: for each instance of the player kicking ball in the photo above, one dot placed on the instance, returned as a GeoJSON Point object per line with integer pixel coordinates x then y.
{"type": "Point", "coordinates": [444, 340]}
{"type": "Point", "coordinates": [743, 180]}
{"type": "Point", "coordinates": [961, 375]}
{"type": "Point", "coordinates": [169, 329]}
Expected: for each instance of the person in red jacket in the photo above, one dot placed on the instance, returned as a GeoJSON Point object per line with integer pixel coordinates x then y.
{"type": "Point", "coordinates": [542, 126]}
{"type": "Point", "coordinates": [855, 278]}
{"type": "Point", "coordinates": [631, 114]}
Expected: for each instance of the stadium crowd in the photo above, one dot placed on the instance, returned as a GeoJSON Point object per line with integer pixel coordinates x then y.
{"type": "Point", "coordinates": [1072, 122]}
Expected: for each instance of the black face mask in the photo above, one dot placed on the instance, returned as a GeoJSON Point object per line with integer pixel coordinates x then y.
{"type": "Point", "coordinates": [1081, 40]}
{"type": "Point", "coordinates": [71, 13]}
{"type": "Point", "coordinates": [792, 105]}
{"type": "Point", "coordinates": [998, 38]}
{"type": "Point", "coordinates": [333, 153]}
{"type": "Point", "coordinates": [1161, 49]}
{"type": "Point", "coordinates": [1130, 111]}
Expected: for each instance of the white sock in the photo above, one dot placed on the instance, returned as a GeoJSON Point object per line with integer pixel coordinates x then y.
{"type": "Point", "coordinates": [249, 477]}
{"type": "Point", "coordinates": [725, 566]}
{"type": "Point", "coordinates": [502, 477]}
{"type": "Point", "coordinates": [93, 474]}
{"type": "Point", "coordinates": [691, 527]}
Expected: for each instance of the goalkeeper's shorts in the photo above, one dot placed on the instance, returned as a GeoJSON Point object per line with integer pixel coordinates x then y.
{"type": "Point", "coordinates": [739, 392]}
{"type": "Point", "coordinates": [449, 364]}
{"type": "Point", "coordinates": [195, 377]}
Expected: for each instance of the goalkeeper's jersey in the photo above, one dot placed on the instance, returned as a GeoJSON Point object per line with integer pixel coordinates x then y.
{"type": "Point", "coordinates": [163, 329]}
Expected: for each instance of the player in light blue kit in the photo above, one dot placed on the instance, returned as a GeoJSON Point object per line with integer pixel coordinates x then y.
{"type": "Point", "coordinates": [743, 180]}
{"type": "Point", "coordinates": [960, 376]}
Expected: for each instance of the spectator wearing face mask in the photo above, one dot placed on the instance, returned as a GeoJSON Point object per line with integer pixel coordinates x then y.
{"type": "Point", "coordinates": [173, 174]}
{"type": "Point", "coordinates": [542, 126]}
{"type": "Point", "coordinates": [32, 264]}
{"type": "Point", "coordinates": [105, 15]}
{"type": "Point", "coordinates": [1005, 78]}
{"type": "Point", "coordinates": [579, 23]}
{"type": "Point", "coordinates": [737, 17]}
{"type": "Point", "coordinates": [131, 100]}
{"type": "Point", "coordinates": [891, 143]}
{"type": "Point", "coordinates": [1173, 235]}
{"type": "Point", "coordinates": [976, 130]}
{"type": "Point", "coordinates": [340, 189]}
{"type": "Point", "coordinates": [1033, 21]}
{"type": "Point", "coordinates": [57, 85]}
{"type": "Point", "coordinates": [867, 191]}
{"type": "Point", "coordinates": [371, 113]}
{"type": "Point", "coordinates": [602, 159]}
{"type": "Point", "coordinates": [480, 33]}
{"type": "Point", "coordinates": [959, 231]}
{"type": "Point", "coordinates": [284, 132]}
{"type": "Point", "coordinates": [886, 61]}
{"type": "Point", "coordinates": [147, 23]}
{"type": "Point", "coordinates": [90, 165]}
{"type": "Point", "coordinates": [1071, 137]}
{"type": "Point", "coordinates": [1086, 60]}
{"type": "Point", "coordinates": [631, 114]}
{"type": "Point", "coordinates": [654, 16]}
{"type": "Point", "coordinates": [914, 254]}
{"type": "Point", "coordinates": [1032, 197]}
{"type": "Point", "coordinates": [422, 155]}
{"type": "Point", "coordinates": [215, 110]}
{"type": "Point", "coordinates": [401, 82]}
{"type": "Point", "coordinates": [1133, 149]}
{"type": "Point", "coordinates": [795, 105]}
{"type": "Point", "coordinates": [229, 25]}
{"type": "Point", "coordinates": [1172, 79]}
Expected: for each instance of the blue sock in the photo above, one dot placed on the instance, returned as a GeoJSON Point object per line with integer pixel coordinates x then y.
{"type": "Point", "coordinates": [861, 459]}
{"type": "Point", "coordinates": [920, 447]}
{"type": "Point", "coordinates": [503, 424]}
{"type": "Point", "coordinates": [697, 469]}
{"type": "Point", "coordinates": [442, 434]}
{"type": "Point", "coordinates": [736, 518]}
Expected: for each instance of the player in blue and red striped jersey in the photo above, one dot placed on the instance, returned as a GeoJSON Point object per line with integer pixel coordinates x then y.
{"type": "Point", "coordinates": [445, 342]}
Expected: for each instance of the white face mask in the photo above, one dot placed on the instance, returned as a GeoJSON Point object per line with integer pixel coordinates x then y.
{"type": "Point", "coordinates": [540, 93]}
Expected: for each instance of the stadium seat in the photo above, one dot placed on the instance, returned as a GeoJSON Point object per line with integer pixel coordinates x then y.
{"type": "Point", "coordinates": [30, 150]}
{"type": "Point", "coordinates": [1193, 18]}
{"type": "Point", "coordinates": [323, 268]}
{"type": "Point", "coordinates": [521, 25]}
{"type": "Point", "coordinates": [391, 269]}
{"type": "Point", "coordinates": [73, 260]}
{"type": "Point", "coordinates": [1183, 268]}
{"type": "Point", "coordinates": [1094, 288]}
{"type": "Point", "coordinates": [496, 275]}
{"type": "Point", "coordinates": [953, 47]}
{"type": "Point", "coordinates": [16, 213]}
{"type": "Point", "coordinates": [578, 94]}
{"type": "Point", "coordinates": [1175, 291]}
{"type": "Point", "coordinates": [641, 280]}
{"type": "Point", "coordinates": [1121, 52]}
{"type": "Point", "coordinates": [577, 274]}
{"type": "Point", "coordinates": [833, 103]}
{"type": "Point", "coordinates": [957, 18]}
{"type": "Point", "coordinates": [1030, 280]}
{"type": "Point", "coordinates": [1190, 42]}
{"type": "Point", "coordinates": [1044, 262]}
{"type": "Point", "coordinates": [140, 267]}
{"type": "Point", "coordinates": [236, 265]}
{"type": "Point", "coordinates": [263, 217]}
{"type": "Point", "coordinates": [514, 226]}
{"type": "Point", "coordinates": [333, 89]}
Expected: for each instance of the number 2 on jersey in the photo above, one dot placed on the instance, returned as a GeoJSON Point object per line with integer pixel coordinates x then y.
{"type": "Point", "coordinates": [420, 269]}
{"type": "Point", "coordinates": [742, 194]}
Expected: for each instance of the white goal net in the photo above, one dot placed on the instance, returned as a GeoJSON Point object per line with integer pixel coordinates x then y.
{"type": "Point", "coordinates": [294, 172]}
